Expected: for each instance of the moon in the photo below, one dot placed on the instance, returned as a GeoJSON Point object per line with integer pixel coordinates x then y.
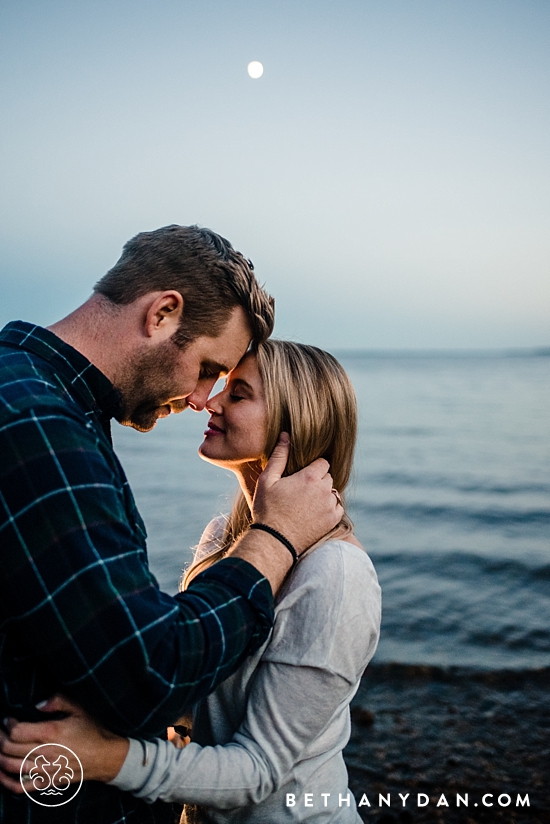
{"type": "Point", "coordinates": [255, 69]}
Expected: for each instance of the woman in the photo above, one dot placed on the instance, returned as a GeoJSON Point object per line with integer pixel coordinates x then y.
{"type": "Point", "coordinates": [267, 743]}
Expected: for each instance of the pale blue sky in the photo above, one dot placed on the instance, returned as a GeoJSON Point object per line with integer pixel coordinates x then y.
{"type": "Point", "coordinates": [388, 174]}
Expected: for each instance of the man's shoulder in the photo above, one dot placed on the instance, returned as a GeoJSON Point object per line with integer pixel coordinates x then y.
{"type": "Point", "coordinates": [28, 381]}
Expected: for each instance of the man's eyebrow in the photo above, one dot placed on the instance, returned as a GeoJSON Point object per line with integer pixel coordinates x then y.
{"type": "Point", "coordinates": [213, 366]}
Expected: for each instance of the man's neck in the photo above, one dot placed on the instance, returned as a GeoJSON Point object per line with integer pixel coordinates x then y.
{"type": "Point", "coordinates": [89, 330]}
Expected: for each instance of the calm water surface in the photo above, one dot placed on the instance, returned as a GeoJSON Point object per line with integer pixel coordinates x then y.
{"type": "Point", "coordinates": [450, 496]}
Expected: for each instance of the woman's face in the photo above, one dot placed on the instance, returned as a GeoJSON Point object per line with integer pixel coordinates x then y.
{"type": "Point", "coordinates": [237, 429]}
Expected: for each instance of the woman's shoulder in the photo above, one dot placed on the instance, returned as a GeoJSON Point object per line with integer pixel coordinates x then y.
{"type": "Point", "coordinates": [328, 613]}
{"type": "Point", "coordinates": [336, 583]}
{"type": "Point", "coordinates": [337, 560]}
{"type": "Point", "coordinates": [210, 538]}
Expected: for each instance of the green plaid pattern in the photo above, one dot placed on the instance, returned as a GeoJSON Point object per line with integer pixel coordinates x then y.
{"type": "Point", "coordinates": [80, 611]}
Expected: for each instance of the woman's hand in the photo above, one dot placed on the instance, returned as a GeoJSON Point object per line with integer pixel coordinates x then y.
{"type": "Point", "coordinates": [177, 739]}
{"type": "Point", "coordinates": [180, 733]}
{"type": "Point", "coordinates": [101, 753]}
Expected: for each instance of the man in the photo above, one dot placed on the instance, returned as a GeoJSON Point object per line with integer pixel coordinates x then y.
{"type": "Point", "coordinates": [80, 612]}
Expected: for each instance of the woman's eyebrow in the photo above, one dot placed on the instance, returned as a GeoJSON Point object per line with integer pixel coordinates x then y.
{"type": "Point", "coordinates": [241, 382]}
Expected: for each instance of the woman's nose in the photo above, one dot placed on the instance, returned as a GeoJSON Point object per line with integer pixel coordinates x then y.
{"type": "Point", "coordinates": [214, 405]}
{"type": "Point", "coordinates": [197, 400]}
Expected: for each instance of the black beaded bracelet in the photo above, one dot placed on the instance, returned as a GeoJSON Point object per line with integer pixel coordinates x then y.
{"type": "Point", "coordinates": [280, 537]}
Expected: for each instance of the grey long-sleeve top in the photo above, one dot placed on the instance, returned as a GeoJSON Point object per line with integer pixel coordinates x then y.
{"type": "Point", "coordinates": [277, 727]}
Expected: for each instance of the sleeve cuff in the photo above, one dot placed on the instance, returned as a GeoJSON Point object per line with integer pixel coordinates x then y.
{"type": "Point", "coordinates": [245, 579]}
{"type": "Point", "coordinates": [133, 773]}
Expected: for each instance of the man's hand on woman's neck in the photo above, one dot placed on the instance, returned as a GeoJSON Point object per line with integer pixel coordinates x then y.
{"type": "Point", "coordinates": [300, 506]}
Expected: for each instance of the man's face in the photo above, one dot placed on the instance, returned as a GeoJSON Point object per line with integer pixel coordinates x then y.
{"type": "Point", "coordinates": [165, 378]}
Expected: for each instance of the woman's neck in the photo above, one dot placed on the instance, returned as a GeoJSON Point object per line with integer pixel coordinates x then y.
{"type": "Point", "coordinates": [248, 475]}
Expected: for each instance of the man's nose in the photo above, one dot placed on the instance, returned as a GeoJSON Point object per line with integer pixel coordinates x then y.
{"type": "Point", "coordinates": [198, 397]}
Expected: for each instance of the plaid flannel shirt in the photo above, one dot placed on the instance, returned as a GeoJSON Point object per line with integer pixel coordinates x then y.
{"type": "Point", "coordinates": [80, 611]}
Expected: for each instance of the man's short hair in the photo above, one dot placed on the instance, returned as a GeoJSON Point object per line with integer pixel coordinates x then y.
{"type": "Point", "coordinates": [212, 277]}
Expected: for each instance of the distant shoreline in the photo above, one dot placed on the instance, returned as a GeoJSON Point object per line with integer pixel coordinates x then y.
{"type": "Point", "coordinates": [511, 677]}
{"type": "Point", "coordinates": [524, 352]}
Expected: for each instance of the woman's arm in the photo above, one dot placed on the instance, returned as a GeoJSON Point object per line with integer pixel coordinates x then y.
{"type": "Point", "coordinates": [325, 633]}
{"type": "Point", "coordinates": [243, 772]}
{"type": "Point", "coordinates": [287, 709]}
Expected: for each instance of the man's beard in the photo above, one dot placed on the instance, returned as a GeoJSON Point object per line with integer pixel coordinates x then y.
{"type": "Point", "coordinates": [146, 386]}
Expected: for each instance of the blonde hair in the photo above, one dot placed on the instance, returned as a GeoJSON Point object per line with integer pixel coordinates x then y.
{"type": "Point", "coordinates": [309, 395]}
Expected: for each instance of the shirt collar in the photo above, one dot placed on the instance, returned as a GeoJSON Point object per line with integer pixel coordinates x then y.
{"type": "Point", "coordinates": [93, 387]}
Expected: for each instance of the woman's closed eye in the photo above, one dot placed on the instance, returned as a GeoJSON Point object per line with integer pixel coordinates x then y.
{"type": "Point", "coordinates": [239, 390]}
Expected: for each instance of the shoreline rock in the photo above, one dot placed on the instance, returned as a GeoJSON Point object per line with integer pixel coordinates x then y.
{"type": "Point", "coordinates": [447, 732]}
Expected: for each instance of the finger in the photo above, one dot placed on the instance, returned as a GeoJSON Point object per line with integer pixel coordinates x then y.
{"type": "Point", "coordinates": [277, 461]}
{"type": "Point", "coordinates": [12, 784]}
{"type": "Point", "coordinates": [39, 733]}
{"type": "Point", "coordinates": [12, 748]}
{"type": "Point", "coordinates": [320, 468]}
{"type": "Point", "coordinates": [10, 723]}
{"type": "Point", "coordinates": [10, 765]}
{"type": "Point", "coordinates": [59, 703]}
{"type": "Point", "coordinates": [337, 505]}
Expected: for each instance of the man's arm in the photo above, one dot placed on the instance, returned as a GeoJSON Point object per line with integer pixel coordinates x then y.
{"type": "Point", "coordinates": [78, 596]}
{"type": "Point", "coordinates": [90, 616]}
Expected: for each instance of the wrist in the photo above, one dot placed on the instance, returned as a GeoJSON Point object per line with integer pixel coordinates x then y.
{"type": "Point", "coordinates": [266, 553]}
{"type": "Point", "coordinates": [280, 537]}
{"type": "Point", "coordinates": [115, 751]}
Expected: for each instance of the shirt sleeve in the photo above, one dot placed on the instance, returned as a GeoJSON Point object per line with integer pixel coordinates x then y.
{"type": "Point", "coordinates": [290, 704]}
{"type": "Point", "coordinates": [89, 618]}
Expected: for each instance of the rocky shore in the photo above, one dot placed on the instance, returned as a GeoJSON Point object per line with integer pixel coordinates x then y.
{"type": "Point", "coordinates": [456, 740]}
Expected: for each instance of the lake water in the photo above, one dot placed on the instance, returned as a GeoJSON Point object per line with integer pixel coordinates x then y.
{"type": "Point", "coordinates": [450, 496]}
